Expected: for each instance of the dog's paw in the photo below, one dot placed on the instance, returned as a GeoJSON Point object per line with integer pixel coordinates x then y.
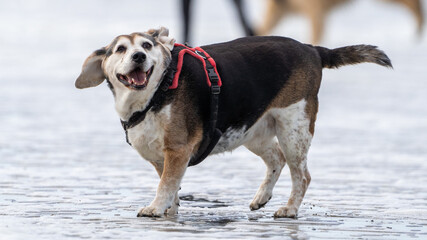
{"type": "Point", "coordinates": [172, 211]}
{"type": "Point", "coordinates": [260, 200]}
{"type": "Point", "coordinates": [150, 212]}
{"type": "Point", "coordinates": [286, 212]}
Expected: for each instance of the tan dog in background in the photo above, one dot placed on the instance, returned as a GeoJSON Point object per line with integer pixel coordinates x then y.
{"type": "Point", "coordinates": [317, 11]}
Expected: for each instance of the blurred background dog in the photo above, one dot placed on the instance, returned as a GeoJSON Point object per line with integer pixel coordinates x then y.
{"type": "Point", "coordinates": [186, 14]}
{"type": "Point", "coordinates": [317, 11]}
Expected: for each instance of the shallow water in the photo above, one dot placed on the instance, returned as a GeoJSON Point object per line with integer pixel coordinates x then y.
{"type": "Point", "coordinates": [67, 172]}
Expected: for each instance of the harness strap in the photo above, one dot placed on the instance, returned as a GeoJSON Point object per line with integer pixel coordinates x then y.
{"type": "Point", "coordinates": [203, 57]}
{"type": "Point", "coordinates": [213, 134]}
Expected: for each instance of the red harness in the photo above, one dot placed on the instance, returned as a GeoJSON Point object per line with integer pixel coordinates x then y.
{"type": "Point", "coordinates": [199, 54]}
{"type": "Point", "coordinates": [211, 133]}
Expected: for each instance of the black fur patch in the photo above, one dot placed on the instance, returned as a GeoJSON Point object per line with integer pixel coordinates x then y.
{"type": "Point", "coordinates": [152, 38]}
{"type": "Point", "coordinates": [110, 86]}
{"type": "Point", "coordinates": [100, 52]}
{"type": "Point", "coordinates": [155, 33]}
{"type": "Point", "coordinates": [109, 52]}
{"type": "Point", "coordinates": [112, 45]}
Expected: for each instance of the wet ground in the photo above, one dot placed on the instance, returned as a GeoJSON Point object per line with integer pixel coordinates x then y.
{"type": "Point", "coordinates": [66, 171]}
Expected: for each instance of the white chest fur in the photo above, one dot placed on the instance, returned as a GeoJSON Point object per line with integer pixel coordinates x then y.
{"type": "Point", "coordinates": [147, 137]}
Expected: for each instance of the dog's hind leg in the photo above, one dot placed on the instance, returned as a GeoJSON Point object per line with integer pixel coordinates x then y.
{"type": "Point", "coordinates": [275, 11]}
{"type": "Point", "coordinates": [294, 135]}
{"type": "Point", "coordinates": [274, 159]}
{"type": "Point", "coordinates": [246, 27]}
{"type": "Point", "coordinates": [186, 15]}
{"type": "Point", "coordinates": [416, 8]}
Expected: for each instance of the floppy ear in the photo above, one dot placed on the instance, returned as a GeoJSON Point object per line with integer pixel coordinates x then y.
{"type": "Point", "coordinates": [92, 74]}
{"type": "Point", "coordinates": [162, 35]}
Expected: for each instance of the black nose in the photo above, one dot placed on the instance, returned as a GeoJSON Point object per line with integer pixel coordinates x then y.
{"type": "Point", "coordinates": [139, 57]}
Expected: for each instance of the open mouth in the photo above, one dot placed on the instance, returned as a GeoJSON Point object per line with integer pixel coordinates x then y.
{"type": "Point", "coordinates": [137, 79]}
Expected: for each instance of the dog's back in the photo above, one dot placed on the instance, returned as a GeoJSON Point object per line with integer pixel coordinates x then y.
{"type": "Point", "coordinates": [260, 73]}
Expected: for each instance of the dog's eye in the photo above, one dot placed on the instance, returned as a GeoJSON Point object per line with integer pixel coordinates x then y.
{"type": "Point", "coordinates": [121, 49]}
{"type": "Point", "coordinates": [146, 45]}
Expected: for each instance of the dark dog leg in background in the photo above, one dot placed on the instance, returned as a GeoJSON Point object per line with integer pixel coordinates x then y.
{"type": "Point", "coordinates": [248, 30]}
{"type": "Point", "coordinates": [186, 11]}
{"type": "Point", "coordinates": [186, 14]}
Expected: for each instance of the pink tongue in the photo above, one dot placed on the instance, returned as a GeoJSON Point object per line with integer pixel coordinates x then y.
{"type": "Point", "coordinates": [138, 76]}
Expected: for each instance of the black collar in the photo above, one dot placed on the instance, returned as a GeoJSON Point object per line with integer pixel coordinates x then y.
{"type": "Point", "coordinates": [157, 98]}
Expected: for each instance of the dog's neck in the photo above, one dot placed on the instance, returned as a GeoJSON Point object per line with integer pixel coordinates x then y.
{"type": "Point", "coordinates": [156, 102]}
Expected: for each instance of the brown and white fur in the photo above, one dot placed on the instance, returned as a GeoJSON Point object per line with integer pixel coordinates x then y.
{"type": "Point", "coordinates": [268, 103]}
{"type": "Point", "coordinates": [317, 11]}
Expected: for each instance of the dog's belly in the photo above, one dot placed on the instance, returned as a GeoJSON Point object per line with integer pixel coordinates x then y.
{"type": "Point", "coordinates": [147, 137]}
{"type": "Point", "coordinates": [235, 137]}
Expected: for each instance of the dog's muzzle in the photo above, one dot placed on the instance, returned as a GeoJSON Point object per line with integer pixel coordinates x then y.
{"type": "Point", "coordinates": [136, 79]}
{"type": "Point", "coordinates": [139, 57]}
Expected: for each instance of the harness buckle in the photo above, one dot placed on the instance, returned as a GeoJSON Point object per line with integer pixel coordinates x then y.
{"type": "Point", "coordinates": [212, 74]}
{"type": "Point", "coordinates": [215, 89]}
{"type": "Point", "coordinates": [213, 77]}
{"type": "Point", "coordinates": [200, 54]}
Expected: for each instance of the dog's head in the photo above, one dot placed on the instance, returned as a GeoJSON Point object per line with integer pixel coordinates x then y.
{"type": "Point", "coordinates": [133, 65]}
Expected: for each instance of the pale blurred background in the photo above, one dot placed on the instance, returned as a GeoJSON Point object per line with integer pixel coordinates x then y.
{"type": "Point", "coordinates": [66, 170]}
{"type": "Point", "coordinates": [43, 28]}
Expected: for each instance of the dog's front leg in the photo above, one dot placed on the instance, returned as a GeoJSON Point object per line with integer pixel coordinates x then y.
{"type": "Point", "coordinates": [159, 165]}
{"type": "Point", "coordinates": [175, 164]}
